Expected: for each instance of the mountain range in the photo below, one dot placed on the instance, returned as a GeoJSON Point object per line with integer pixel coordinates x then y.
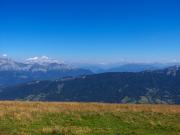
{"type": "Point", "coordinates": [126, 67]}
{"type": "Point", "coordinates": [36, 68]}
{"type": "Point", "coordinates": [45, 68]}
{"type": "Point", "coordinates": [159, 86]}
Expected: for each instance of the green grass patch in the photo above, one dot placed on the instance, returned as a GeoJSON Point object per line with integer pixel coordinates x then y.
{"type": "Point", "coordinates": [89, 123]}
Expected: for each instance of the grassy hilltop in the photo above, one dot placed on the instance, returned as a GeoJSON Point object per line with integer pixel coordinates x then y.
{"type": "Point", "coordinates": [38, 118]}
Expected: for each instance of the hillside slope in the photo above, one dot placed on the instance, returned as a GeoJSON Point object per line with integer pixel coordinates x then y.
{"type": "Point", "coordinates": [144, 87]}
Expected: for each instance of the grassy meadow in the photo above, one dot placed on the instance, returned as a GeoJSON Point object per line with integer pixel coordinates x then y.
{"type": "Point", "coordinates": [43, 118]}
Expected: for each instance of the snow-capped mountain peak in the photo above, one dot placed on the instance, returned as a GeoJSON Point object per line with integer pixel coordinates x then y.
{"type": "Point", "coordinates": [36, 68]}
{"type": "Point", "coordinates": [41, 60]}
{"type": "Point", "coordinates": [5, 60]}
{"type": "Point", "coordinates": [8, 64]}
{"type": "Point", "coordinates": [42, 63]}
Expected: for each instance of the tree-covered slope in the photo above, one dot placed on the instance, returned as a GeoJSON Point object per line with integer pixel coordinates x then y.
{"type": "Point", "coordinates": [161, 86]}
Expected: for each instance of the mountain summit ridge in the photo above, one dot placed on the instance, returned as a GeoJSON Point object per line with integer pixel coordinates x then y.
{"type": "Point", "coordinates": [37, 68]}
{"type": "Point", "coordinates": [44, 62]}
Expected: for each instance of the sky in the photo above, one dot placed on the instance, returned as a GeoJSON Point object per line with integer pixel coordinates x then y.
{"type": "Point", "coordinates": [91, 30]}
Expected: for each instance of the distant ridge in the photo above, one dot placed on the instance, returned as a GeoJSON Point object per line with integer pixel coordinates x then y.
{"type": "Point", "coordinates": [37, 68]}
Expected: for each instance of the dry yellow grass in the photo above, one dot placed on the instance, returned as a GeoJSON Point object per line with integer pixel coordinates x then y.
{"type": "Point", "coordinates": [25, 109]}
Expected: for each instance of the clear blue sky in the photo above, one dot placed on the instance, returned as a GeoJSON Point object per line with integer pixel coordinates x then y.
{"type": "Point", "coordinates": [91, 30]}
